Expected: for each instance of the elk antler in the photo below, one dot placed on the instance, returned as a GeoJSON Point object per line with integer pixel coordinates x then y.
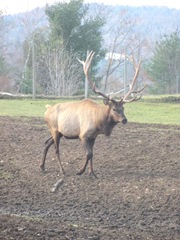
{"type": "Point", "coordinates": [86, 66]}
{"type": "Point", "coordinates": [136, 97]}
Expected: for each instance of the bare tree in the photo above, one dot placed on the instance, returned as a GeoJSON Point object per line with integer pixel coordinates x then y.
{"type": "Point", "coordinates": [64, 73]}
{"type": "Point", "coordinates": [5, 78]}
{"type": "Point", "coordinates": [121, 41]}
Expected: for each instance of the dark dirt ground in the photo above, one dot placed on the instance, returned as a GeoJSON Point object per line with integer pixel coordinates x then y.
{"type": "Point", "coordinates": [136, 194]}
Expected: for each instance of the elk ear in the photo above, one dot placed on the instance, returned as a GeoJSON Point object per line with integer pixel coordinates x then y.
{"type": "Point", "coordinates": [109, 102]}
{"type": "Point", "coordinates": [106, 101]}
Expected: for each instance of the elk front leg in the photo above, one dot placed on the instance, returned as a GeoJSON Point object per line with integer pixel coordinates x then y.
{"type": "Point", "coordinates": [88, 145]}
{"type": "Point", "coordinates": [91, 171]}
{"type": "Point", "coordinates": [48, 143]}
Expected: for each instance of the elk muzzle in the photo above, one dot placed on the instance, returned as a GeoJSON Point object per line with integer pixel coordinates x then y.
{"type": "Point", "coordinates": [124, 121]}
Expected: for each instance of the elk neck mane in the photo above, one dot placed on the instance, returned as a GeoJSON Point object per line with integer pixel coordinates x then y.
{"type": "Point", "coordinates": [109, 123]}
{"type": "Point", "coordinates": [103, 118]}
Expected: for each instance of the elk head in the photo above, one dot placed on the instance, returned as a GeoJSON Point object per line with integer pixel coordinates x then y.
{"type": "Point", "coordinates": [116, 108]}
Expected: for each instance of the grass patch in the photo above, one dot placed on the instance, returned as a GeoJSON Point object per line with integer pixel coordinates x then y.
{"type": "Point", "coordinates": [5, 175]}
{"type": "Point", "coordinates": [142, 111]}
{"type": "Point", "coordinates": [149, 112]}
{"type": "Point", "coordinates": [28, 218]}
{"type": "Point", "coordinates": [162, 98]}
{"type": "Point", "coordinates": [24, 107]}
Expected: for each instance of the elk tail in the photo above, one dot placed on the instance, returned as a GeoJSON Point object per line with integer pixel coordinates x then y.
{"type": "Point", "coordinates": [48, 106]}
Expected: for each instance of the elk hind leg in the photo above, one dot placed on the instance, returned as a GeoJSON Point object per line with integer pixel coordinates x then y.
{"type": "Point", "coordinates": [48, 143]}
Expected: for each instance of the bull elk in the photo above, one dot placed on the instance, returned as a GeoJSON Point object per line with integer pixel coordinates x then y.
{"type": "Point", "coordinates": [86, 119]}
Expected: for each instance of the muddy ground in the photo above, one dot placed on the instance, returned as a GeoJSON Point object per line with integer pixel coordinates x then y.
{"type": "Point", "coordinates": [136, 194]}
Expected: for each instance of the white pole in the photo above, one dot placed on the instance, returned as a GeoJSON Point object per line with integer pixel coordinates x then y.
{"type": "Point", "coordinates": [33, 70]}
{"type": "Point", "coordinates": [86, 83]}
{"type": "Point", "coordinates": [125, 70]}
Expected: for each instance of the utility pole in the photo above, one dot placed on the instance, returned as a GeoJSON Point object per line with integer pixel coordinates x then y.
{"type": "Point", "coordinates": [177, 84]}
{"type": "Point", "coordinates": [86, 83]}
{"type": "Point", "coordinates": [33, 71]}
{"type": "Point", "coordinates": [125, 70]}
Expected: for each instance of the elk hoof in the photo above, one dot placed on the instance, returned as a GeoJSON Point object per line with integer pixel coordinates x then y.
{"type": "Point", "coordinates": [42, 169]}
{"type": "Point", "coordinates": [92, 174]}
{"type": "Point", "coordinates": [62, 171]}
{"type": "Point", "coordinates": [80, 172]}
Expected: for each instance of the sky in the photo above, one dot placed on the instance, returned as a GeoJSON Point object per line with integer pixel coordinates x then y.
{"type": "Point", "coordinates": [12, 6]}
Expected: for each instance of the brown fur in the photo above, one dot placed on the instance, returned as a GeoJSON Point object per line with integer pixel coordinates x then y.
{"type": "Point", "coordinates": [85, 120]}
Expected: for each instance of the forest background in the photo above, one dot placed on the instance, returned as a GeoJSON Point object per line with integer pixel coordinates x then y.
{"type": "Point", "coordinates": [39, 48]}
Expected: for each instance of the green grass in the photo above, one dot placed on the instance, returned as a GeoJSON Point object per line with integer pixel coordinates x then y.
{"type": "Point", "coordinates": [143, 112]}
{"type": "Point", "coordinates": [147, 112]}
{"type": "Point", "coordinates": [25, 107]}
{"type": "Point", "coordinates": [5, 175]}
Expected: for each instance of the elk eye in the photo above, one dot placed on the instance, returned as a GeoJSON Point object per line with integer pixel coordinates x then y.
{"type": "Point", "coordinates": [114, 109]}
